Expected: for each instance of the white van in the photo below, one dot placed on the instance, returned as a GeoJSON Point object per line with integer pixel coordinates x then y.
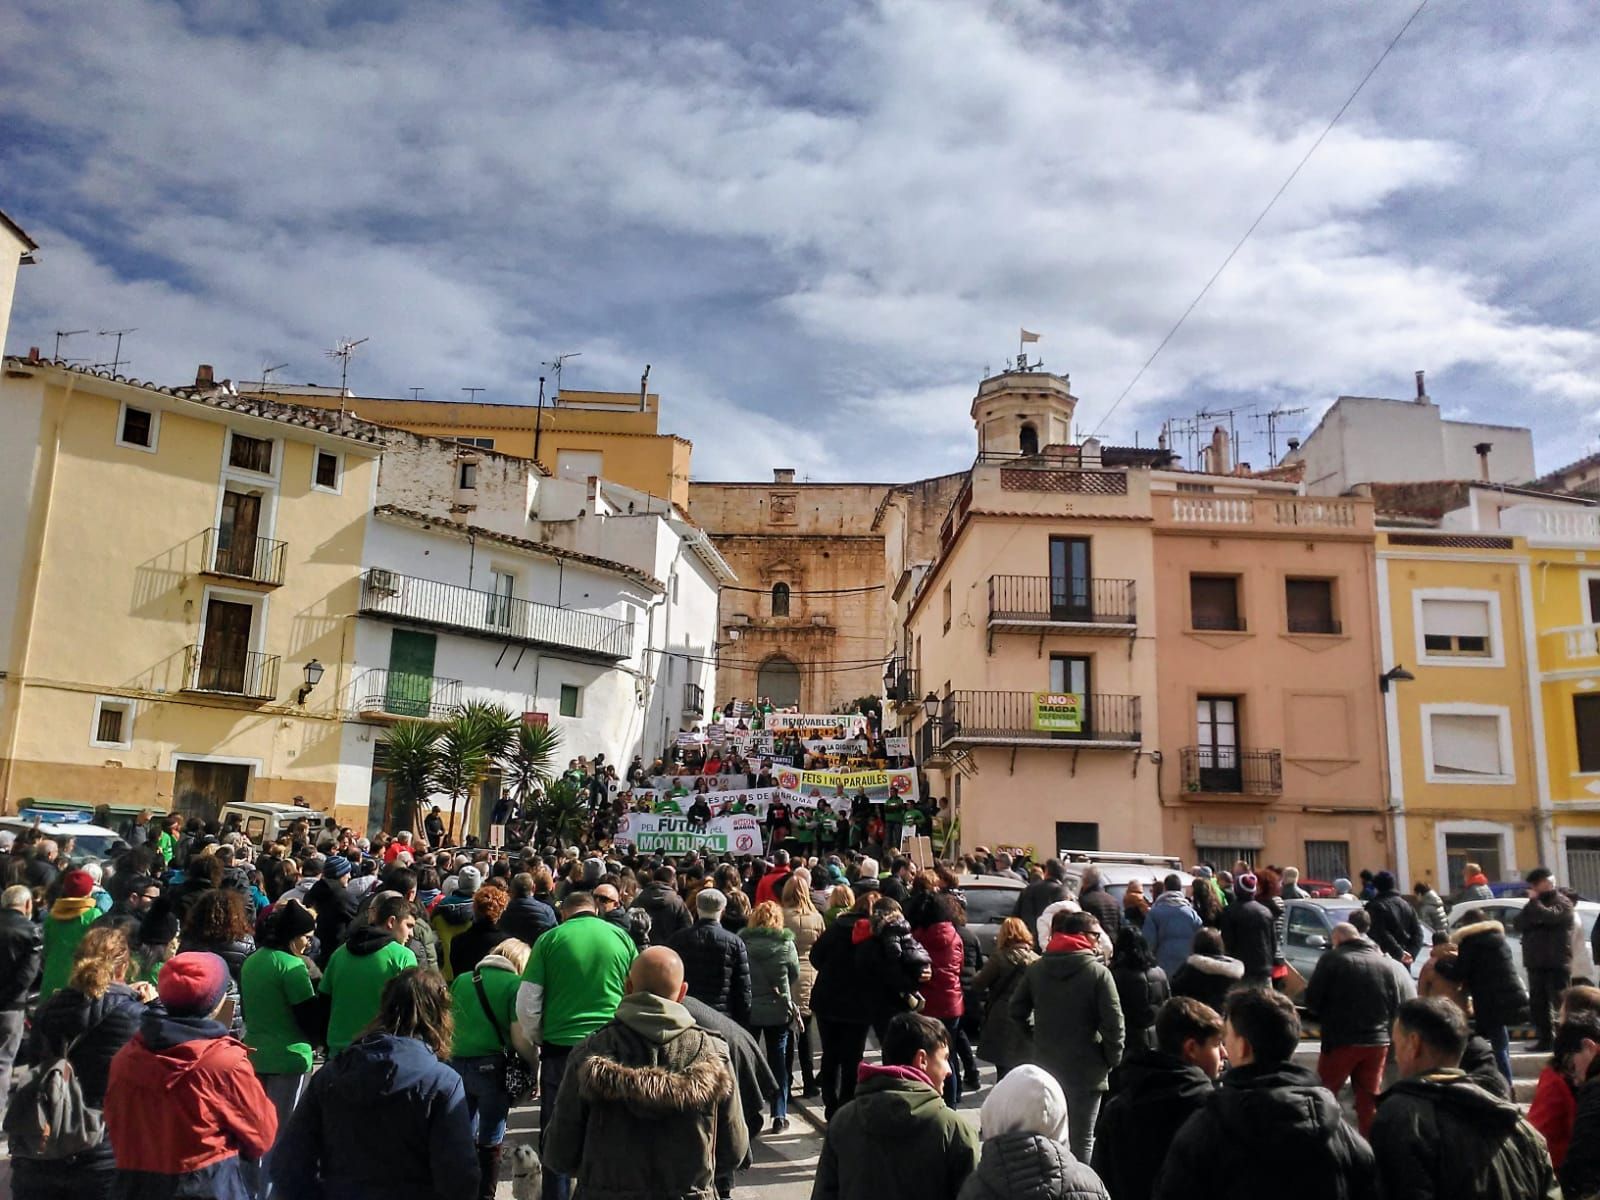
{"type": "Point", "coordinates": [1118, 870]}
{"type": "Point", "coordinates": [263, 823]}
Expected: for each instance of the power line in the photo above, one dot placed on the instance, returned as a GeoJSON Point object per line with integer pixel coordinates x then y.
{"type": "Point", "coordinates": [873, 587]}
{"type": "Point", "coordinates": [1239, 245]}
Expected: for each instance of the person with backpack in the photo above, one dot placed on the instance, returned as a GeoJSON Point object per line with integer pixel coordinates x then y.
{"type": "Point", "coordinates": [58, 1143]}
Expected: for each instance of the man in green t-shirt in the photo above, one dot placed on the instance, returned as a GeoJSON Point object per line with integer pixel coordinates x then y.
{"type": "Point", "coordinates": [894, 816]}
{"type": "Point", "coordinates": [285, 1017]}
{"type": "Point", "coordinates": [571, 987]}
{"type": "Point", "coordinates": [668, 806]}
{"type": "Point", "coordinates": [356, 973]}
{"type": "Point", "coordinates": [805, 830]}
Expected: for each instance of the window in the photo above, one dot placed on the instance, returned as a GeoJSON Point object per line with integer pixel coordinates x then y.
{"type": "Point", "coordinates": [1214, 602]}
{"type": "Point", "coordinates": [1485, 849]}
{"type": "Point", "coordinates": [467, 474]}
{"type": "Point", "coordinates": [571, 694]}
{"type": "Point", "coordinates": [1327, 860]}
{"type": "Point", "coordinates": [1310, 604]}
{"type": "Point", "coordinates": [1306, 923]}
{"type": "Point", "coordinates": [478, 443]}
{"type": "Point", "coordinates": [1456, 628]}
{"type": "Point", "coordinates": [325, 475]}
{"type": "Point", "coordinates": [1466, 747]}
{"type": "Point", "coordinates": [1028, 439]}
{"type": "Point", "coordinates": [945, 601]}
{"type": "Point", "coordinates": [1586, 716]}
{"type": "Point", "coordinates": [113, 724]}
{"type": "Point", "coordinates": [780, 599]}
{"type": "Point", "coordinates": [136, 427]}
{"type": "Point", "coordinates": [250, 453]}
{"type": "Point", "coordinates": [1069, 580]}
{"type": "Point", "coordinates": [502, 586]}
{"type": "Point", "coordinates": [1077, 835]}
{"type": "Point", "coordinates": [1216, 763]}
{"type": "Point", "coordinates": [1223, 857]}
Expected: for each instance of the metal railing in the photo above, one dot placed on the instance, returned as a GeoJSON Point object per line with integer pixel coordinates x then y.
{"type": "Point", "coordinates": [402, 694]}
{"type": "Point", "coordinates": [1231, 770]}
{"type": "Point", "coordinates": [248, 674]}
{"type": "Point", "coordinates": [694, 699]}
{"type": "Point", "coordinates": [258, 559]}
{"type": "Point", "coordinates": [904, 688]}
{"type": "Point", "coordinates": [490, 614]}
{"type": "Point", "coordinates": [1049, 598]}
{"type": "Point", "coordinates": [973, 716]}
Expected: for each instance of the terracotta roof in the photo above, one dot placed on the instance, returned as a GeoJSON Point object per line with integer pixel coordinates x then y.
{"type": "Point", "coordinates": [506, 539]}
{"type": "Point", "coordinates": [219, 397]}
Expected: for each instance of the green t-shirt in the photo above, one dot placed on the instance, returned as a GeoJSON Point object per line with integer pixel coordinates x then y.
{"type": "Point", "coordinates": [355, 983]}
{"type": "Point", "coordinates": [475, 1037]}
{"type": "Point", "coordinates": [271, 983]}
{"type": "Point", "coordinates": [668, 806]}
{"type": "Point", "coordinates": [581, 964]}
{"type": "Point", "coordinates": [63, 930]}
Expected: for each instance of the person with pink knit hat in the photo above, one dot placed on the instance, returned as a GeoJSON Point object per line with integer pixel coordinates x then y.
{"type": "Point", "coordinates": [68, 920]}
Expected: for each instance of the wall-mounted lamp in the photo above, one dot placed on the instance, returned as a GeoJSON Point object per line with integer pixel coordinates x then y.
{"type": "Point", "coordinates": [889, 674]}
{"type": "Point", "coordinates": [1395, 674]}
{"type": "Point", "coordinates": [930, 705]}
{"type": "Point", "coordinates": [314, 670]}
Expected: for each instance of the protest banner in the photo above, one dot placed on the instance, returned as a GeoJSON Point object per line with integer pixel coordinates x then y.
{"type": "Point", "coordinates": [654, 832]}
{"type": "Point", "coordinates": [1058, 712]}
{"type": "Point", "coordinates": [878, 785]}
{"type": "Point", "coordinates": [897, 747]}
{"type": "Point", "coordinates": [715, 783]}
{"type": "Point", "coordinates": [835, 747]}
{"type": "Point", "coordinates": [817, 725]}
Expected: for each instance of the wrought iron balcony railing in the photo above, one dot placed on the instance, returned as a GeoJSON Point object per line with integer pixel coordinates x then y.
{"type": "Point", "coordinates": [219, 673]}
{"type": "Point", "coordinates": [257, 559]}
{"type": "Point", "coordinates": [1233, 771]}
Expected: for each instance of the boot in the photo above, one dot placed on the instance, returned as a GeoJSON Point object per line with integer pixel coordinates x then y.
{"type": "Point", "coordinates": [488, 1171]}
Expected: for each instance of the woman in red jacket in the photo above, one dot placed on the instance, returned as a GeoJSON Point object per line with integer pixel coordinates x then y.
{"type": "Point", "coordinates": [932, 916]}
{"type": "Point", "coordinates": [184, 1108]}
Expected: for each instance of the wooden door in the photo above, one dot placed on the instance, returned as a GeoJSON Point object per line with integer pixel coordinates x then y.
{"type": "Point", "coordinates": [409, 692]}
{"type": "Point", "coordinates": [1070, 598]}
{"type": "Point", "coordinates": [236, 536]}
{"type": "Point", "coordinates": [1217, 729]}
{"type": "Point", "coordinates": [225, 654]}
{"type": "Point", "coordinates": [200, 789]}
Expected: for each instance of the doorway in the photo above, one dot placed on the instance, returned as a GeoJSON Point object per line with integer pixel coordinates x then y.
{"type": "Point", "coordinates": [225, 651]}
{"type": "Point", "coordinates": [408, 690]}
{"type": "Point", "coordinates": [200, 788]}
{"type": "Point", "coordinates": [1069, 579]}
{"type": "Point", "coordinates": [1069, 673]}
{"type": "Point", "coordinates": [1217, 743]}
{"type": "Point", "coordinates": [779, 681]}
{"type": "Point", "coordinates": [237, 533]}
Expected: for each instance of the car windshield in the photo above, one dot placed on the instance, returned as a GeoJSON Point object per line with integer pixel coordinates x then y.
{"type": "Point", "coordinates": [990, 906]}
{"type": "Point", "coordinates": [1336, 915]}
{"type": "Point", "coordinates": [92, 845]}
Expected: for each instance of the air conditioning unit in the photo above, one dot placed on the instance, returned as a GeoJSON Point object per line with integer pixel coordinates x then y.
{"type": "Point", "coordinates": [382, 582]}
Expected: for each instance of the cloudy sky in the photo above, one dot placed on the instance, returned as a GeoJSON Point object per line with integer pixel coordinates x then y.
{"type": "Point", "coordinates": [821, 222]}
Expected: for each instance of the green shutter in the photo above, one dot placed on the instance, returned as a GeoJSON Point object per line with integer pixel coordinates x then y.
{"type": "Point", "coordinates": [410, 689]}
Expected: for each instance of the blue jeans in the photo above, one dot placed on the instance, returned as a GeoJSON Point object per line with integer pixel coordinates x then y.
{"type": "Point", "coordinates": [776, 1040]}
{"type": "Point", "coordinates": [485, 1097]}
{"type": "Point", "coordinates": [552, 1066]}
{"type": "Point", "coordinates": [1500, 1042]}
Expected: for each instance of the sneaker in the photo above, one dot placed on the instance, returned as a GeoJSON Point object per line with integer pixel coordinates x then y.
{"type": "Point", "coordinates": [780, 1125]}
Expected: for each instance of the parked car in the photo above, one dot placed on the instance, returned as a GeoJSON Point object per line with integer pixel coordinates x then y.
{"type": "Point", "coordinates": [262, 823]}
{"type": "Point", "coordinates": [1317, 889]}
{"type": "Point", "coordinates": [1119, 869]}
{"type": "Point", "coordinates": [92, 842]}
{"type": "Point", "coordinates": [990, 900]}
{"type": "Point", "coordinates": [1505, 908]}
{"type": "Point", "coordinates": [1308, 930]}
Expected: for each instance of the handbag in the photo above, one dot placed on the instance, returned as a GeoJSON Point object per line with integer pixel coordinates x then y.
{"type": "Point", "coordinates": [516, 1075]}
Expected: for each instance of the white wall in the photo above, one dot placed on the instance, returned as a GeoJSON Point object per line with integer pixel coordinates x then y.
{"type": "Point", "coordinates": [22, 452]}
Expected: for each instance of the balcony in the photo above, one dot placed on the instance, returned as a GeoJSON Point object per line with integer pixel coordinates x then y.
{"type": "Point", "coordinates": [694, 700]}
{"type": "Point", "coordinates": [1037, 719]}
{"type": "Point", "coordinates": [903, 687]}
{"type": "Point", "coordinates": [255, 559]}
{"type": "Point", "coordinates": [248, 675]}
{"type": "Point", "coordinates": [383, 693]}
{"type": "Point", "coordinates": [1567, 523]}
{"type": "Point", "coordinates": [1042, 604]}
{"type": "Point", "coordinates": [1263, 512]}
{"type": "Point", "coordinates": [465, 610]}
{"type": "Point", "coordinates": [1232, 772]}
{"type": "Point", "coordinates": [1571, 646]}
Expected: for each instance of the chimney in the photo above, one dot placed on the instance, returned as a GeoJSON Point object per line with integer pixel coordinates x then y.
{"type": "Point", "coordinates": [1221, 460]}
{"type": "Point", "coordinates": [782, 474]}
{"type": "Point", "coordinates": [1482, 451]}
{"type": "Point", "coordinates": [203, 377]}
{"type": "Point", "coordinates": [1422, 389]}
{"type": "Point", "coordinates": [1294, 444]}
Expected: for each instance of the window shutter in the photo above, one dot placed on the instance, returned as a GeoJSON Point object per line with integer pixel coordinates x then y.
{"type": "Point", "coordinates": [1455, 618]}
{"type": "Point", "coordinates": [1466, 744]}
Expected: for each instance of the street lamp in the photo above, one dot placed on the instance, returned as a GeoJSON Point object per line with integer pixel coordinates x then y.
{"type": "Point", "coordinates": [930, 705]}
{"type": "Point", "coordinates": [888, 678]}
{"type": "Point", "coordinates": [1395, 674]}
{"type": "Point", "coordinates": [314, 670]}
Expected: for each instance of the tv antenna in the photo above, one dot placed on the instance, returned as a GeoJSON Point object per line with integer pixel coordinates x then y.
{"type": "Point", "coordinates": [66, 333]}
{"type": "Point", "coordinates": [555, 366]}
{"type": "Point", "coordinates": [344, 352]}
{"type": "Point", "coordinates": [1272, 420]}
{"type": "Point", "coordinates": [472, 394]}
{"type": "Point", "coordinates": [416, 393]}
{"type": "Point", "coordinates": [116, 355]}
{"type": "Point", "coordinates": [268, 372]}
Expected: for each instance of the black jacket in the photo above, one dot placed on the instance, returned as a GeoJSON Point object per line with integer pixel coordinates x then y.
{"type": "Point", "coordinates": [1580, 1174]}
{"type": "Point", "coordinates": [835, 995]}
{"type": "Point", "coordinates": [526, 918]}
{"type": "Point", "coordinates": [1441, 1137]}
{"type": "Point", "coordinates": [468, 948]}
{"type": "Point", "coordinates": [1141, 993]}
{"type": "Point", "coordinates": [105, 1026]}
{"type": "Point", "coordinates": [1250, 934]}
{"type": "Point", "coordinates": [1484, 966]}
{"type": "Point", "coordinates": [233, 953]}
{"type": "Point", "coordinates": [888, 967]}
{"type": "Point", "coordinates": [1354, 994]}
{"type": "Point", "coordinates": [1395, 927]}
{"type": "Point", "coordinates": [1208, 978]}
{"type": "Point", "coordinates": [1152, 1095]}
{"type": "Point", "coordinates": [669, 915]}
{"type": "Point", "coordinates": [1274, 1122]}
{"type": "Point", "coordinates": [716, 967]}
{"type": "Point", "coordinates": [335, 907]}
{"type": "Point", "coordinates": [20, 951]}
{"type": "Point", "coordinates": [1028, 1166]}
{"type": "Point", "coordinates": [1036, 897]}
{"type": "Point", "coordinates": [1105, 908]}
{"type": "Point", "coordinates": [1545, 923]}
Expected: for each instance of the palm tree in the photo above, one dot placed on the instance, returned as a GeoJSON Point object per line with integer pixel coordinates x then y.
{"type": "Point", "coordinates": [527, 768]}
{"type": "Point", "coordinates": [472, 744]}
{"type": "Point", "coordinates": [564, 813]}
{"type": "Point", "coordinates": [411, 757]}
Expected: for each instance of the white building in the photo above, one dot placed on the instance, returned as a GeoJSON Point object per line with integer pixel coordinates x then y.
{"type": "Point", "coordinates": [485, 580]}
{"type": "Point", "coordinates": [1366, 439]}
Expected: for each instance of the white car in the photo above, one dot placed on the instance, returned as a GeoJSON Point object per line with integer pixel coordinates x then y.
{"type": "Point", "coordinates": [1505, 909]}
{"type": "Point", "coordinates": [92, 842]}
{"type": "Point", "coordinates": [1118, 870]}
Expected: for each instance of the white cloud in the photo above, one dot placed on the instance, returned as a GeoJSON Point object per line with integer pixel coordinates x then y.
{"type": "Point", "coordinates": [818, 236]}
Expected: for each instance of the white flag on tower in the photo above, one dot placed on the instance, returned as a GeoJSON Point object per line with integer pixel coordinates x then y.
{"type": "Point", "coordinates": [1028, 336]}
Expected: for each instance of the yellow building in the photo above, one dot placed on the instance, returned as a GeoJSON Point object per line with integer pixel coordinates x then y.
{"type": "Point", "coordinates": [576, 436]}
{"type": "Point", "coordinates": [174, 561]}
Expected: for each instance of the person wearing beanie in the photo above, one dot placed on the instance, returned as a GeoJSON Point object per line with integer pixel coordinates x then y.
{"type": "Point", "coordinates": [1394, 921]}
{"type": "Point", "coordinates": [356, 974]}
{"type": "Point", "coordinates": [335, 905]}
{"type": "Point", "coordinates": [1342, 889]}
{"type": "Point", "coordinates": [68, 920]}
{"type": "Point", "coordinates": [1023, 1125]}
{"type": "Point", "coordinates": [453, 914]}
{"type": "Point", "coordinates": [716, 963]}
{"type": "Point", "coordinates": [183, 1107]}
{"type": "Point", "coordinates": [285, 1018]}
{"type": "Point", "coordinates": [1250, 932]}
{"type": "Point", "coordinates": [157, 941]}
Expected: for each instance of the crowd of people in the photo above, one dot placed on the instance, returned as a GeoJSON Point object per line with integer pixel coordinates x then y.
{"type": "Point", "coordinates": [328, 1015]}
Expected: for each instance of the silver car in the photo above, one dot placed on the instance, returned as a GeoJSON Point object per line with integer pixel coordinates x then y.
{"type": "Point", "coordinates": [990, 900]}
{"type": "Point", "coordinates": [1308, 930]}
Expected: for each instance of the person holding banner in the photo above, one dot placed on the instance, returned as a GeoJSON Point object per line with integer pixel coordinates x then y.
{"type": "Point", "coordinates": [669, 804]}
{"type": "Point", "coordinates": [699, 813]}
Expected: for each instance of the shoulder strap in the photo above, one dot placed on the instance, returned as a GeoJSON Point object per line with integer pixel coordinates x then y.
{"type": "Point", "coordinates": [488, 1009]}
